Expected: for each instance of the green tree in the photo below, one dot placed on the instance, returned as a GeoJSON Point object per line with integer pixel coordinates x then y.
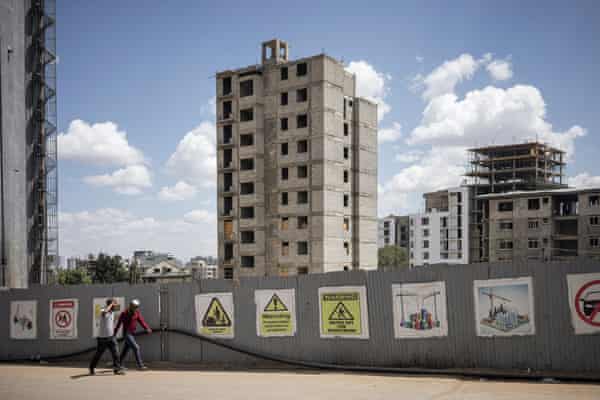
{"type": "Point", "coordinates": [109, 269]}
{"type": "Point", "coordinates": [78, 276]}
{"type": "Point", "coordinates": [392, 257]}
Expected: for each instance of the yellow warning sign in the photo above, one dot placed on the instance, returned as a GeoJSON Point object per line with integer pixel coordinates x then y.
{"type": "Point", "coordinates": [276, 319]}
{"type": "Point", "coordinates": [275, 304]}
{"type": "Point", "coordinates": [341, 314]}
{"type": "Point", "coordinates": [216, 320]}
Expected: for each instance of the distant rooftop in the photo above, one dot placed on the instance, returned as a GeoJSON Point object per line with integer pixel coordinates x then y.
{"type": "Point", "coordinates": [515, 146]}
{"type": "Point", "coordinates": [527, 193]}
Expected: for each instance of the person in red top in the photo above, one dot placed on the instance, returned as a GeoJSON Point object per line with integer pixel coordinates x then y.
{"type": "Point", "coordinates": [129, 319]}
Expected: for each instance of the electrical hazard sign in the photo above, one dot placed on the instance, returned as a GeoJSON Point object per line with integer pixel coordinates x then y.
{"type": "Point", "coordinates": [214, 314]}
{"type": "Point", "coordinates": [343, 312]}
{"type": "Point", "coordinates": [63, 318]}
{"type": "Point", "coordinates": [584, 302]}
{"type": "Point", "coordinates": [275, 312]}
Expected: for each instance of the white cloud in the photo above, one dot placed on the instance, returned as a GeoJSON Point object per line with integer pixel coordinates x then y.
{"type": "Point", "coordinates": [500, 70]}
{"type": "Point", "coordinates": [371, 85]}
{"type": "Point", "coordinates": [409, 156]}
{"type": "Point", "coordinates": [491, 115]}
{"type": "Point", "coordinates": [117, 231]}
{"type": "Point", "coordinates": [199, 216]}
{"type": "Point", "coordinates": [210, 107]}
{"type": "Point", "coordinates": [444, 78]}
{"type": "Point", "coordinates": [585, 181]}
{"type": "Point", "coordinates": [390, 134]}
{"type": "Point", "coordinates": [440, 168]}
{"type": "Point", "coordinates": [195, 158]}
{"type": "Point", "coordinates": [130, 180]}
{"type": "Point", "coordinates": [100, 144]}
{"type": "Point", "coordinates": [181, 191]}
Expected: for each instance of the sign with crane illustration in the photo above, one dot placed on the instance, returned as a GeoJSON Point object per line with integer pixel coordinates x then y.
{"type": "Point", "coordinates": [420, 310]}
{"type": "Point", "coordinates": [63, 318]}
{"type": "Point", "coordinates": [23, 320]}
{"type": "Point", "coordinates": [343, 312]}
{"type": "Point", "coordinates": [504, 307]}
{"type": "Point", "coordinates": [584, 302]}
{"type": "Point", "coordinates": [275, 312]}
{"type": "Point", "coordinates": [214, 315]}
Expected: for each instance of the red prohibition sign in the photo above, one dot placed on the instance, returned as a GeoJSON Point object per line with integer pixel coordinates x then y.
{"type": "Point", "coordinates": [596, 306]}
{"type": "Point", "coordinates": [63, 318]}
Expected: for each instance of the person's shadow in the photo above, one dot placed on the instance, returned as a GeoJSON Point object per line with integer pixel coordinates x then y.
{"type": "Point", "coordinates": [98, 373]}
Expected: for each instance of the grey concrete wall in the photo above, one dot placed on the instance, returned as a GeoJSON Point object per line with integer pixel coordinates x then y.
{"type": "Point", "coordinates": [13, 151]}
{"type": "Point", "coordinates": [554, 347]}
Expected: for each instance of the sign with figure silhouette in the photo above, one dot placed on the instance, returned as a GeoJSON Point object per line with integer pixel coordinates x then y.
{"type": "Point", "coordinates": [275, 312]}
{"type": "Point", "coordinates": [23, 319]}
{"type": "Point", "coordinates": [584, 302]}
{"type": "Point", "coordinates": [420, 310]}
{"type": "Point", "coordinates": [504, 307]}
{"type": "Point", "coordinates": [343, 312]}
{"type": "Point", "coordinates": [214, 314]}
{"type": "Point", "coordinates": [63, 318]}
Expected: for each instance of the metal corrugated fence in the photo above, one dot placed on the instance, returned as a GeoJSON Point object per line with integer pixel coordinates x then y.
{"type": "Point", "coordinates": [554, 347]}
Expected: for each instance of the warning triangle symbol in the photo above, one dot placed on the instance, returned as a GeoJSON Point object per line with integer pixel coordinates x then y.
{"type": "Point", "coordinates": [341, 313]}
{"type": "Point", "coordinates": [275, 304]}
{"type": "Point", "coordinates": [216, 315]}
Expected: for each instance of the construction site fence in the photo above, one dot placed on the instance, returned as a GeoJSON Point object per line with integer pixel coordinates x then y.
{"type": "Point", "coordinates": [554, 346]}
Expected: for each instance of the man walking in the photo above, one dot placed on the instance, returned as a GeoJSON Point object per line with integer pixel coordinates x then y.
{"type": "Point", "coordinates": [129, 319]}
{"type": "Point", "coordinates": [106, 339]}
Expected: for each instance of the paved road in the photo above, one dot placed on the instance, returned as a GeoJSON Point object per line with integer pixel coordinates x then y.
{"type": "Point", "coordinates": [66, 383]}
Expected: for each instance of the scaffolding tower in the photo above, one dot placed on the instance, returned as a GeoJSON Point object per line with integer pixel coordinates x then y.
{"type": "Point", "coordinates": [42, 130]}
{"type": "Point", "coordinates": [508, 168]}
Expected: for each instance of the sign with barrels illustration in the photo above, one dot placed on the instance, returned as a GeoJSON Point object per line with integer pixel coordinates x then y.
{"type": "Point", "coordinates": [419, 310]}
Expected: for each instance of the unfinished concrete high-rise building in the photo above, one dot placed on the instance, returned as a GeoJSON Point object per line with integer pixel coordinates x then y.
{"type": "Point", "coordinates": [507, 168]}
{"type": "Point", "coordinates": [28, 162]}
{"type": "Point", "coordinates": [297, 168]}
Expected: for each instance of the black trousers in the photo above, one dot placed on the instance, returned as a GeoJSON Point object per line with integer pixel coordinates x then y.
{"type": "Point", "coordinates": [109, 343]}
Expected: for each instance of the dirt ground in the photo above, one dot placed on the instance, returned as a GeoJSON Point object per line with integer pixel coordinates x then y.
{"type": "Point", "coordinates": [65, 383]}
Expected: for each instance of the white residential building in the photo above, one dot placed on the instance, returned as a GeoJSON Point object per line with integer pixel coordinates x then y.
{"type": "Point", "coordinates": [440, 234]}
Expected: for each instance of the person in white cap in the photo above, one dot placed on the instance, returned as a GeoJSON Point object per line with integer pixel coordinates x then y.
{"type": "Point", "coordinates": [129, 319]}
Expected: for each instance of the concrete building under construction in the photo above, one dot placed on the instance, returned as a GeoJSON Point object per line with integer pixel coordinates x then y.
{"type": "Point", "coordinates": [297, 168]}
{"type": "Point", "coordinates": [507, 168]}
{"type": "Point", "coordinates": [28, 154]}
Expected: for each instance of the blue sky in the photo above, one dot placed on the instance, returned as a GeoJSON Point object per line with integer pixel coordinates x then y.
{"type": "Point", "coordinates": [484, 72]}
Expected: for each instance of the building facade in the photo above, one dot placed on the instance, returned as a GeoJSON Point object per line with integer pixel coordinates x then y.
{"type": "Point", "coordinates": [441, 235]}
{"type": "Point", "coordinates": [28, 157]}
{"type": "Point", "coordinates": [393, 230]}
{"type": "Point", "coordinates": [506, 168]}
{"type": "Point", "coordinates": [544, 225]}
{"type": "Point", "coordinates": [297, 168]}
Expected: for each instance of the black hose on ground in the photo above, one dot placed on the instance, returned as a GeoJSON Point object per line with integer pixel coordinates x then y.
{"type": "Point", "coordinates": [327, 366]}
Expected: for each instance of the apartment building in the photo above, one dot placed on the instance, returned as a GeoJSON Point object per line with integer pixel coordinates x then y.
{"type": "Point", "coordinates": [297, 168]}
{"type": "Point", "coordinates": [393, 230]}
{"type": "Point", "coordinates": [441, 233]}
{"type": "Point", "coordinates": [544, 225]}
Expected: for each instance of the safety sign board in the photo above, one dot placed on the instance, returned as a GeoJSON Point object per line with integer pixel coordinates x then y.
{"type": "Point", "coordinates": [343, 312]}
{"type": "Point", "coordinates": [584, 302]}
{"type": "Point", "coordinates": [23, 319]}
{"type": "Point", "coordinates": [99, 304]}
{"type": "Point", "coordinates": [63, 318]}
{"type": "Point", "coordinates": [419, 310]}
{"type": "Point", "coordinates": [214, 314]}
{"type": "Point", "coordinates": [504, 307]}
{"type": "Point", "coordinates": [275, 312]}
